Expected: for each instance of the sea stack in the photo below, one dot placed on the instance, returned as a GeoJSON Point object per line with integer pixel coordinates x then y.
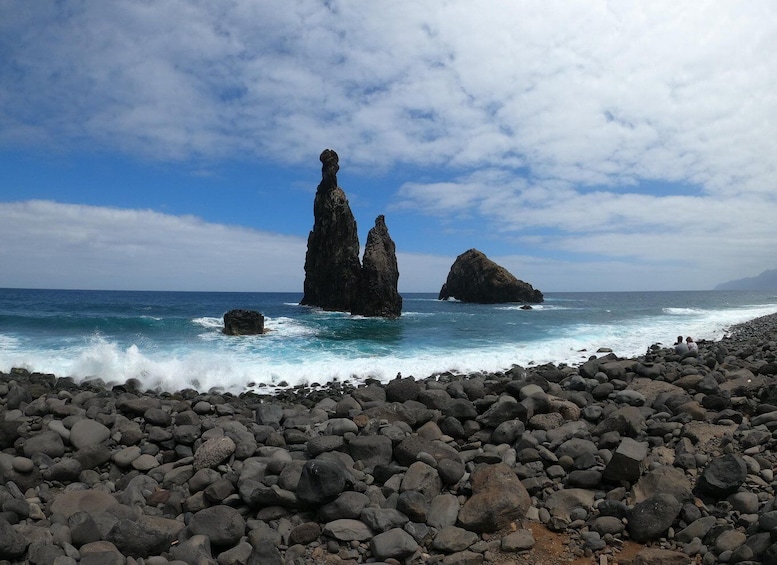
{"type": "Point", "coordinates": [334, 277]}
{"type": "Point", "coordinates": [377, 293]}
{"type": "Point", "coordinates": [332, 261]}
{"type": "Point", "coordinates": [476, 278]}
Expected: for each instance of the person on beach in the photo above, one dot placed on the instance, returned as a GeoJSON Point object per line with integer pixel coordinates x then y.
{"type": "Point", "coordinates": [692, 345]}
{"type": "Point", "coordinates": [680, 347]}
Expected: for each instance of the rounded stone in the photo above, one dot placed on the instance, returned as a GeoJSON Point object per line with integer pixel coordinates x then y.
{"type": "Point", "coordinates": [213, 452]}
{"type": "Point", "coordinates": [88, 432]}
{"type": "Point", "coordinates": [22, 465]}
{"type": "Point", "coordinates": [222, 524]}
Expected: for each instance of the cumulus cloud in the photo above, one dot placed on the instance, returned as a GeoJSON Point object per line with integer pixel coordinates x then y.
{"type": "Point", "coordinates": [52, 245]}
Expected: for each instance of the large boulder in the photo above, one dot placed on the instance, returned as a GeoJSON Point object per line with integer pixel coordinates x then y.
{"type": "Point", "coordinates": [332, 266]}
{"type": "Point", "coordinates": [498, 498]}
{"type": "Point", "coordinates": [377, 293]}
{"type": "Point", "coordinates": [475, 278]}
{"type": "Point", "coordinates": [243, 322]}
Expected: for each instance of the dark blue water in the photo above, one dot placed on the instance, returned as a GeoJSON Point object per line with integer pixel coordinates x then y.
{"type": "Point", "coordinates": [173, 340]}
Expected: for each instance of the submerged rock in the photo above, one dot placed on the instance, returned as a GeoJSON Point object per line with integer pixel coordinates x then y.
{"type": "Point", "coordinates": [475, 278]}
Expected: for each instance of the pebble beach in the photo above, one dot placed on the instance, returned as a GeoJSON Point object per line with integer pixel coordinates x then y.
{"type": "Point", "coordinates": [671, 456]}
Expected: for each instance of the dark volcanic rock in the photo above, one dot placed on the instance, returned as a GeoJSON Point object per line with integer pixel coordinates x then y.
{"type": "Point", "coordinates": [649, 519]}
{"type": "Point", "coordinates": [475, 278]}
{"type": "Point", "coordinates": [332, 267]}
{"type": "Point", "coordinates": [243, 322]}
{"type": "Point", "coordinates": [498, 498]}
{"type": "Point", "coordinates": [377, 291]}
{"type": "Point", "coordinates": [723, 476]}
{"type": "Point", "coordinates": [320, 481]}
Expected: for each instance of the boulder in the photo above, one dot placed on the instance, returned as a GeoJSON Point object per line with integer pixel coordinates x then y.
{"type": "Point", "coordinates": [723, 476]}
{"type": "Point", "coordinates": [475, 278]}
{"type": "Point", "coordinates": [332, 269]}
{"type": "Point", "coordinates": [498, 498]}
{"type": "Point", "coordinates": [321, 481]}
{"type": "Point", "coordinates": [243, 322]}
{"type": "Point", "coordinates": [377, 293]}
{"type": "Point", "coordinates": [649, 519]}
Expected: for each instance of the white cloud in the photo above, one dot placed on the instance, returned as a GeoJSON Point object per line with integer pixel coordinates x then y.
{"type": "Point", "coordinates": [52, 245]}
{"type": "Point", "coordinates": [587, 92]}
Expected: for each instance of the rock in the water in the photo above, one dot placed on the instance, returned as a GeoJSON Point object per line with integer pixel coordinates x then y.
{"type": "Point", "coordinates": [243, 322]}
{"type": "Point", "coordinates": [475, 278]}
{"type": "Point", "coordinates": [320, 481]}
{"type": "Point", "coordinates": [332, 266]}
{"type": "Point", "coordinates": [377, 293]}
{"type": "Point", "coordinates": [335, 279]}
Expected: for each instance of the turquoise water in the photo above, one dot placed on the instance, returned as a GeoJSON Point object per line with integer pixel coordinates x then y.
{"type": "Point", "coordinates": [173, 340]}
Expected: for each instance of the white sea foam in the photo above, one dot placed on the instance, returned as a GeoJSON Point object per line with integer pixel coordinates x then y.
{"type": "Point", "coordinates": [209, 322]}
{"type": "Point", "coordinates": [8, 342]}
{"type": "Point", "coordinates": [293, 353]}
{"type": "Point", "coordinates": [683, 311]}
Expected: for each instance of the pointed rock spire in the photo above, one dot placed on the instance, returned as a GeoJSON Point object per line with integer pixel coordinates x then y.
{"type": "Point", "coordinates": [377, 291]}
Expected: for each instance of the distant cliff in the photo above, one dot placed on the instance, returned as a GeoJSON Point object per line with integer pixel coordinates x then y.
{"type": "Point", "coordinates": [765, 281]}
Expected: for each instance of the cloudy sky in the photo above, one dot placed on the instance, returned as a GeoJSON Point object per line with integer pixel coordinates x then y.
{"type": "Point", "coordinates": [584, 145]}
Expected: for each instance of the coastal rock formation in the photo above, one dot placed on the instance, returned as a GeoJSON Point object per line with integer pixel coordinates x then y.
{"type": "Point", "coordinates": [377, 293]}
{"type": "Point", "coordinates": [332, 261]}
{"type": "Point", "coordinates": [475, 278]}
{"type": "Point", "coordinates": [334, 277]}
{"type": "Point", "coordinates": [544, 464]}
{"type": "Point", "coordinates": [243, 322]}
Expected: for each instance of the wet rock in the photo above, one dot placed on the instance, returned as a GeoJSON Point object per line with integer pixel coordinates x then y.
{"type": "Point", "coordinates": [243, 322]}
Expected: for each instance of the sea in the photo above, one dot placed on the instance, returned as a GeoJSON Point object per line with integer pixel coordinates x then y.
{"type": "Point", "coordinates": [171, 341]}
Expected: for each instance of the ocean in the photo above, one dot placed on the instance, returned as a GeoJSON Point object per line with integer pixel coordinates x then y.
{"type": "Point", "coordinates": [173, 340]}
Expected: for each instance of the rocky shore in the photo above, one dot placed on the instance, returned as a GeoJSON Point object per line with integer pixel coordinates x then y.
{"type": "Point", "coordinates": [670, 456]}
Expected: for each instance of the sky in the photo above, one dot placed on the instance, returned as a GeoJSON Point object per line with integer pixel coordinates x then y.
{"type": "Point", "coordinates": [583, 145]}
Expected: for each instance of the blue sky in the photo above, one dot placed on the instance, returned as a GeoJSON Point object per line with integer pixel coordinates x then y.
{"type": "Point", "coordinates": [583, 145]}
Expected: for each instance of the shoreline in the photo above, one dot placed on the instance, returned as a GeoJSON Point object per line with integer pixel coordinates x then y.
{"type": "Point", "coordinates": [612, 459]}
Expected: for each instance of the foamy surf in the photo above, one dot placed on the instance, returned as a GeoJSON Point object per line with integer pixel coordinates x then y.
{"type": "Point", "coordinates": [185, 347]}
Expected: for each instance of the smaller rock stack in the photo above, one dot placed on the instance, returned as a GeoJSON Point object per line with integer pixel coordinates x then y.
{"type": "Point", "coordinates": [377, 293]}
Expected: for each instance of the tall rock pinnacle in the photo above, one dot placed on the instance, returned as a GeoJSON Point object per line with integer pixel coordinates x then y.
{"type": "Point", "coordinates": [332, 261]}
{"type": "Point", "coordinates": [377, 291]}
